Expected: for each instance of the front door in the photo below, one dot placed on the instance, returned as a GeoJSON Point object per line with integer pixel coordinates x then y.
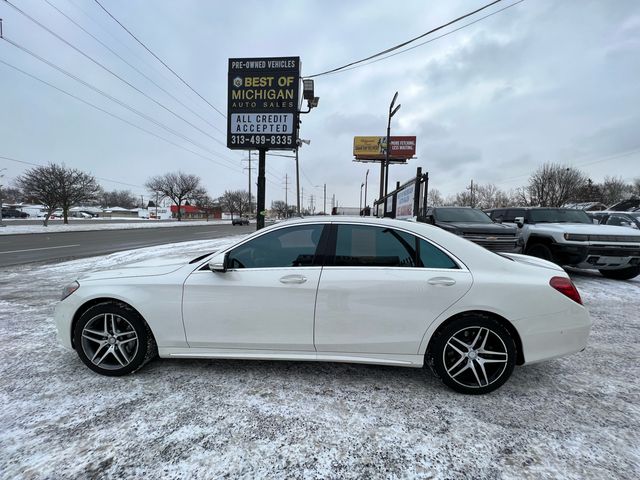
{"type": "Point", "coordinates": [264, 301]}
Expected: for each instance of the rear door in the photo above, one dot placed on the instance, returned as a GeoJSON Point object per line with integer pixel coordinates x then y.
{"type": "Point", "coordinates": [381, 290]}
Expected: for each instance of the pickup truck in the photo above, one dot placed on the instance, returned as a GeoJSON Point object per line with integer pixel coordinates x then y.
{"type": "Point", "coordinates": [475, 226]}
{"type": "Point", "coordinates": [568, 237]}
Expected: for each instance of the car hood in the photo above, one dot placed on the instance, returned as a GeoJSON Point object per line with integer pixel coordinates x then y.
{"type": "Point", "coordinates": [588, 229]}
{"type": "Point", "coordinates": [497, 228]}
{"type": "Point", "coordinates": [155, 266]}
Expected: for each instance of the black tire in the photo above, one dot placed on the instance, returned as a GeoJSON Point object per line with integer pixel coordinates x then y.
{"type": "Point", "coordinates": [112, 339]}
{"type": "Point", "coordinates": [622, 273]}
{"type": "Point", "coordinates": [463, 371]}
{"type": "Point", "coordinates": [540, 250]}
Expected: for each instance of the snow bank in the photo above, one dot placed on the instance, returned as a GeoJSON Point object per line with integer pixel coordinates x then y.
{"type": "Point", "coordinates": [577, 417]}
{"type": "Point", "coordinates": [56, 226]}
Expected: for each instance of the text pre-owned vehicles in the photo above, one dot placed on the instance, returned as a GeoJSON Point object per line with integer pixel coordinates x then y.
{"type": "Point", "coordinates": [568, 237]}
{"type": "Point", "coordinates": [335, 289]}
{"type": "Point", "coordinates": [476, 226]}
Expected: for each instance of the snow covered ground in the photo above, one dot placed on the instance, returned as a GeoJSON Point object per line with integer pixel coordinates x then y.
{"type": "Point", "coordinates": [56, 226]}
{"type": "Point", "coordinates": [577, 417]}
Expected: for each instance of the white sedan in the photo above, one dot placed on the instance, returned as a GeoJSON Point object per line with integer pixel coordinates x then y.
{"type": "Point", "coordinates": [333, 289]}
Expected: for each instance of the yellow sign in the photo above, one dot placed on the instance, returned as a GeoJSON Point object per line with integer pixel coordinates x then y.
{"type": "Point", "coordinates": [369, 146]}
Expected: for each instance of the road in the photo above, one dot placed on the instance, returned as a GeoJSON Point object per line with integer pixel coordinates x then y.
{"type": "Point", "coordinates": [50, 247]}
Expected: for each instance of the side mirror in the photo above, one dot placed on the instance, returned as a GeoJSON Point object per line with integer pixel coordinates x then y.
{"type": "Point", "coordinates": [219, 263]}
{"type": "Point", "coordinates": [519, 221]}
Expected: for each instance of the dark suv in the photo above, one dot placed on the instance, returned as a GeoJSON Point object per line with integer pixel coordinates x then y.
{"type": "Point", "coordinates": [240, 221]}
{"type": "Point", "coordinates": [13, 213]}
{"type": "Point", "coordinates": [476, 226]}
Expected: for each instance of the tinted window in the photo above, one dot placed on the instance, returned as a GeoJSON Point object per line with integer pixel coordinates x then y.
{"type": "Point", "coordinates": [558, 215]}
{"type": "Point", "coordinates": [287, 247]}
{"type": "Point", "coordinates": [464, 215]}
{"type": "Point", "coordinates": [360, 245]}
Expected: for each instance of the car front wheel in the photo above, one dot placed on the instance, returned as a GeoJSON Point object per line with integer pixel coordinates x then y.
{"type": "Point", "coordinates": [112, 339]}
{"type": "Point", "coordinates": [473, 355]}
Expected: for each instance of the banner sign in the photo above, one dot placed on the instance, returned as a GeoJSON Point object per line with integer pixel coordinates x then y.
{"type": "Point", "coordinates": [374, 148]}
{"type": "Point", "coordinates": [262, 110]}
{"type": "Point", "coordinates": [404, 201]}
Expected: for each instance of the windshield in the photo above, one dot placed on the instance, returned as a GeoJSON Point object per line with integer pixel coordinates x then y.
{"type": "Point", "coordinates": [558, 215]}
{"type": "Point", "coordinates": [462, 215]}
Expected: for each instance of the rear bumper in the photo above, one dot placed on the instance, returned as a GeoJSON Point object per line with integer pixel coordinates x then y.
{"type": "Point", "coordinates": [552, 336]}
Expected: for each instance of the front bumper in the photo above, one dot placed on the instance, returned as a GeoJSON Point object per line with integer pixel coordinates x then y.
{"type": "Point", "coordinates": [596, 256]}
{"type": "Point", "coordinates": [63, 316]}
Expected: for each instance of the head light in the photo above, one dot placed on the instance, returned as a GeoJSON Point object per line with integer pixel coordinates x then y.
{"type": "Point", "coordinates": [69, 289]}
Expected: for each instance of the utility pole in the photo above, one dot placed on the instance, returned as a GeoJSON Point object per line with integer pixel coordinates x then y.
{"type": "Point", "coordinates": [471, 190]}
{"type": "Point", "coordinates": [286, 199]}
{"type": "Point", "coordinates": [249, 168]}
{"type": "Point", "coordinates": [262, 156]}
{"type": "Point", "coordinates": [366, 184]}
{"type": "Point", "coordinates": [1, 169]}
{"type": "Point", "coordinates": [156, 205]}
{"type": "Point", "coordinates": [325, 199]}
{"type": "Point", "coordinates": [333, 201]}
{"type": "Point", "coordinates": [302, 197]}
{"type": "Point", "coordinates": [312, 206]}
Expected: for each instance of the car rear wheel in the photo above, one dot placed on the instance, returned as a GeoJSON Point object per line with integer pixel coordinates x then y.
{"type": "Point", "coordinates": [112, 339]}
{"type": "Point", "coordinates": [540, 250]}
{"type": "Point", "coordinates": [622, 273]}
{"type": "Point", "coordinates": [473, 355]}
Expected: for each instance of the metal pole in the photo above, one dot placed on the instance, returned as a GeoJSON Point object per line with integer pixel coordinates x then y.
{"type": "Point", "coordinates": [325, 198]}
{"type": "Point", "coordinates": [366, 184]}
{"type": "Point", "coordinates": [386, 159]}
{"type": "Point", "coordinates": [297, 183]}
{"type": "Point", "coordinates": [286, 198]}
{"type": "Point", "coordinates": [250, 200]}
{"type": "Point", "coordinates": [1, 176]}
{"type": "Point", "coordinates": [361, 185]}
{"type": "Point", "coordinates": [262, 156]}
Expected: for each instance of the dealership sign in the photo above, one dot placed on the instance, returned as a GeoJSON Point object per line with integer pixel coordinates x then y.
{"type": "Point", "coordinates": [262, 108]}
{"type": "Point", "coordinates": [374, 148]}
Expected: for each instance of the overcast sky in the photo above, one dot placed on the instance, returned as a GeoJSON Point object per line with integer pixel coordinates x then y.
{"type": "Point", "coordinates": [540, 81]}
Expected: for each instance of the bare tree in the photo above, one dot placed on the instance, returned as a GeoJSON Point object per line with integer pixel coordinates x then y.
{"type": "Point", "coordinates": [244, 201]}
{"type": "Point", "coordinates": [178, 187]}
{"type": "Point", "coordinates": [12, 195]}
{"type": "Point", "coordinates": [490, 196]}
{"type": "Point", "coordinates": [203, 201]}
{"type": "Point", "coordinates": [434, 198]}
{"type": "Point", "coordinates": [553, 185]}
{"type": "Point", "coordinates": [118, 198]}
{"type": "Point", "coordinates": [280, 207]}
{"type": "Point", "coordinates": [230, 202]}
{"type": "Point", "coordinates": [614, 189]}
{"type": "Point", "coordinates": [40, 183]}
{"type": "Point", "coordinates": [56, 186]}
{"type": "Point", "coordinates": [74, 188]}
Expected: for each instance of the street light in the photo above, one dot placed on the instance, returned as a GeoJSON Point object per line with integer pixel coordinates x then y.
{"type": "Point", "coordinates": [392, 112]}
{"type": "Point", "coordinates": [366, 184]}
{"type": "Point", "coordinates": [361, 187]}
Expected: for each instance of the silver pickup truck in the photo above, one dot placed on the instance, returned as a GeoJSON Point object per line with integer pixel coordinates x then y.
{"type": "Point", "coordinates": [568, 237]}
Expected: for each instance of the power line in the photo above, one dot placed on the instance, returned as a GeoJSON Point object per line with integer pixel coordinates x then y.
{"type": "Point", "coordinates": [430, 40]}
{"type": "Point", "coordinates": [159, 59]}
{"type": "Point", "coordinates": [99, 178]}
{"type": "Point", "coordinates": [400, 45]}
{"type": "Point", "coordinates": [88, 57]}
{"type": "Point", "coordinates": [118, 117]}
{"type": "Point", "coordinates": [113, 99]}
{"type": "Point", "coordinates": [133, 67]}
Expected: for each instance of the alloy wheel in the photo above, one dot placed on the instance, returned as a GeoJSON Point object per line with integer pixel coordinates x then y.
{"type": "Point", "coordinates": [475, 357]}
{"type": "Point", "coordinates": [109, 341]}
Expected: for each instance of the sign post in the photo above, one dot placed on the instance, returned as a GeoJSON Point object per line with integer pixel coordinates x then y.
{"type": "Point", "coordinates": [262, 111]}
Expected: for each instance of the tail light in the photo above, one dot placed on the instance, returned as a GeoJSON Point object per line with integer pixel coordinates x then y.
{"type": "Point", "coordinates": [566, 287]}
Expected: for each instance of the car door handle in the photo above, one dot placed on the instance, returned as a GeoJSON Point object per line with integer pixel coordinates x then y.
{"type": "Point", "coordinates": [289, 279]}
{"type": "Point", "coordinates": [441, 281]}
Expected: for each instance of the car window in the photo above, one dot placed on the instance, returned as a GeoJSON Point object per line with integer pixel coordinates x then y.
{"type": "Point", "coordinates": [362, 245]}
{"type": "Point", "coordinates": [287, 247]}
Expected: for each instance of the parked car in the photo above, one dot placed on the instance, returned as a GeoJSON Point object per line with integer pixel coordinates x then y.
{"type": "Point", "coordinates": [619, 219]}
{"type": "Point", "coordinates": [476, 226]}
{"type": "Point", "coordinates": [240, 221]}
{"type": "Point", "coordinates": [13, 213]}
{"type": "Point", "coordinates": [335, 289]}
{"type": "Point", "coordinates": [568, 237]}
